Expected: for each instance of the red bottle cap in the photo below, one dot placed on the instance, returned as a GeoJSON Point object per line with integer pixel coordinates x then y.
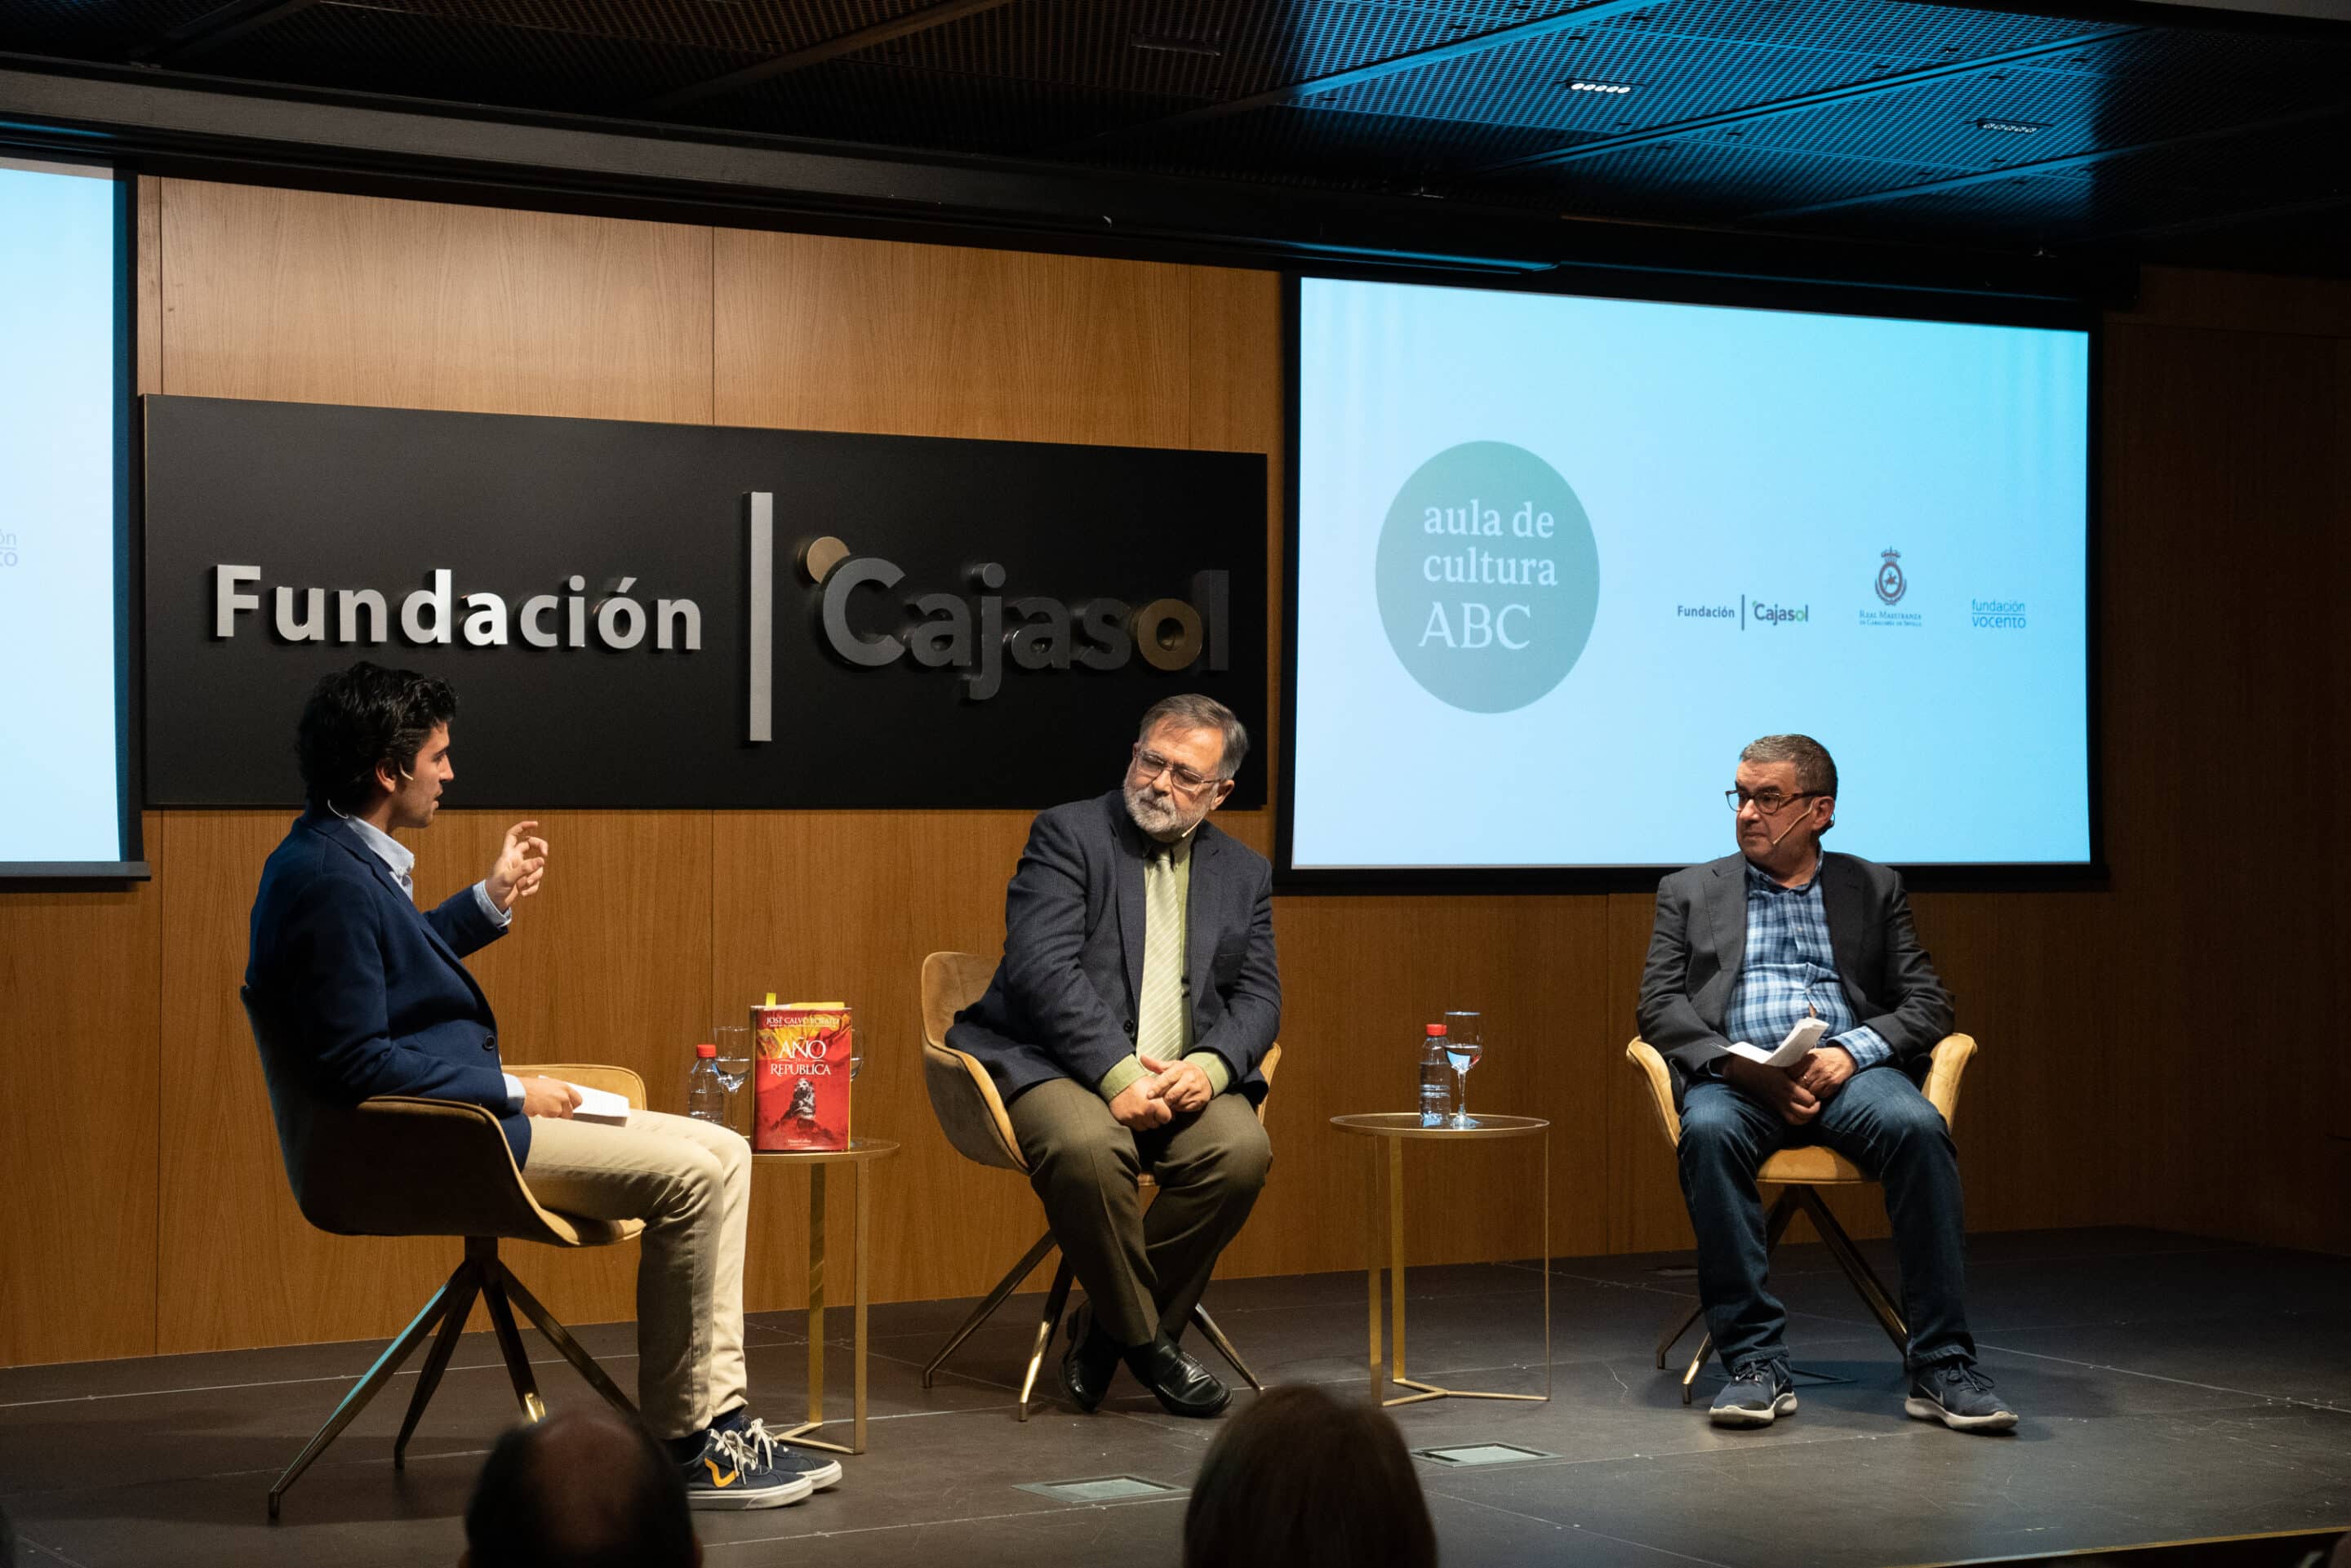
{"type": "Point", "coordinates": [1434, 1030]}
{"type": "Point", "coordinates": [705, 1048]}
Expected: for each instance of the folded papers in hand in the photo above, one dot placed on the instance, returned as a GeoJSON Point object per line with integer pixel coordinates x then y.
{"type": "Point", "coordinates": [1801, 1039]}
{"type": "Point", "coordinates": [599, 1105]}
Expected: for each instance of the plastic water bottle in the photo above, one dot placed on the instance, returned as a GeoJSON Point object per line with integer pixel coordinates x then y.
{"type": "Point", "coordinates": [1435, 1080]}
{"type": "Point", "coordinates": [705, 1094]}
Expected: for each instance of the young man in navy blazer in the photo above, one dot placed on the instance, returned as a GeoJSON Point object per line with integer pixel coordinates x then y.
{"type": "Point", "coordinates": [359, 993]}
{"type": "Point", "coordinates": [1745, 948]}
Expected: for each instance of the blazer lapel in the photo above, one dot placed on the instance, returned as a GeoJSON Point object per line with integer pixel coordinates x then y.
{"type": "Point", "coordinates": [1729, 911]}
{"type": "Point", "coordinates": [1126, 860]}
{"type": "Point", "coordinates": [1841, 901]}
{"type": "Point", "coordinates": [350, 844]}
{"type": "Point", "coordinates": [1200, 928]}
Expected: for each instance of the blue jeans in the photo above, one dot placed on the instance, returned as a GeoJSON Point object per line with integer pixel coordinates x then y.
{"type": "Point", "coordinates": [1880, 1122]}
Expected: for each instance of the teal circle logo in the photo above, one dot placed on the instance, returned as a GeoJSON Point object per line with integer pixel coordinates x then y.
{"type": "Point", "coordinates": [1489, 577]}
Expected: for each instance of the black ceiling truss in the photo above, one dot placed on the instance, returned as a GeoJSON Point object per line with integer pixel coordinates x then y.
{"type": "Point", "coordinates": [849, 43]}
{"type": "Point", "coordinates": [216, 28]}
{"type": "Point", "coordinates": [2058, 165]}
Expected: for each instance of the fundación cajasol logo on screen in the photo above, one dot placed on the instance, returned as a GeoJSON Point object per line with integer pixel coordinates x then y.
{"type": "Point", "coordinates": [1488, 577]}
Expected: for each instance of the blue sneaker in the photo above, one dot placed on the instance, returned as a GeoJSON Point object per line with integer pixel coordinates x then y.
{"type": "Point", "coordinates": [822, 1474]}
{"type": "Point", "coordinates": [1758, 1394]}
{"type": "Point", "coordinates": [733, 1471]}
{"type": "Point", "coordinates": [1961, 1396]}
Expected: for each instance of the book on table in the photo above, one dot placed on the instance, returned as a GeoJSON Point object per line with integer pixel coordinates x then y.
{"type": "Point", "coordinates": [802, 1050]}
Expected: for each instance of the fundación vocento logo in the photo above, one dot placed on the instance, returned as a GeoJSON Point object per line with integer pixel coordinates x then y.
{"type": "Point", "coordinates": [1488, 577]}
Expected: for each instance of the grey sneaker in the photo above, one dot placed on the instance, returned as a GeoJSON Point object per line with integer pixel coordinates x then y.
{"type": "Point", "coordinates": [1961, 1396]}
{"type": "Point", "coordinates": [1758, 1394]}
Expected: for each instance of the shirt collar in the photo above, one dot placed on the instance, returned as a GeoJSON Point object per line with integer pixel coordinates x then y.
{"type": "Point", "coordinates": [1761, 881]}
{"type": "Point", "coordinates": [389, 849]}
{"type": "Point", "coordinates": [1177, 849]}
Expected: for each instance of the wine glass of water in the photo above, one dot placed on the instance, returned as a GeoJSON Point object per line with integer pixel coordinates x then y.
{"type": "Point", "coordinates": [1463, 1047]}
{"type": "Point", "coordinates": [734, 1061]}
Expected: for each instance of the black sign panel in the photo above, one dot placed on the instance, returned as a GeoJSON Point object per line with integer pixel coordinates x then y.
{"type": "Point", "coordinates": [940, 622]}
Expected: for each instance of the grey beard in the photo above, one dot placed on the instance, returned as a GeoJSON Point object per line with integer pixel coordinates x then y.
{"type": "Point", "coordinates": [1160, 821]}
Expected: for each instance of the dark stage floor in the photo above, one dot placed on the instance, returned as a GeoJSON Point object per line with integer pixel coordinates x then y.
{"type": "Point", "coordinates": [2172, 1387]}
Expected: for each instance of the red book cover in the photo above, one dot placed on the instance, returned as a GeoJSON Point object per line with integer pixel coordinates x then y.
{"type": "Point", "coordinates": [802, 1076]}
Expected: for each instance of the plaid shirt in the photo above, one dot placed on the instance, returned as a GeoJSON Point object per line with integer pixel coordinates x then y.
{"type": "Point", "coordinates": [1789, 968]}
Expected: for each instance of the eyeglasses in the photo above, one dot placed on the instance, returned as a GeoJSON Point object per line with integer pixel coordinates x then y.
{"type": "Point", "coordinates": [1771, 802]}
{"type": "Point", "coordinates": [1149, 765]}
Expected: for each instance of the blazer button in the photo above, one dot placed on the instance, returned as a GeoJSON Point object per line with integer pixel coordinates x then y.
{"type": "Point", "coordinates": [1130, 1028]}
{"type": "Point", "coordinates": [490, 1043]}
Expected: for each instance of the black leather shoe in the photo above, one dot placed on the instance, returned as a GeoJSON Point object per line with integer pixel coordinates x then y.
{"type": "Point", "coordinates": [1182, 1386]}
{"type": "Point", "coordinates": [1089, 1363]}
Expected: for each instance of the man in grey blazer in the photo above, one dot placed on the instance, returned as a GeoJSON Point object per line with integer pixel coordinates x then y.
{"type": "Point", "coordinates": [1744, 949]}
{"type": "Point", "coordinates": [1137, 995]}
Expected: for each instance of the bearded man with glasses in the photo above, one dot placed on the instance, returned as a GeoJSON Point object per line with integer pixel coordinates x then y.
{"type": "Point", "coordinates": [1744, 949]}
{"type": "Point", "coordinates": [1137, 994]}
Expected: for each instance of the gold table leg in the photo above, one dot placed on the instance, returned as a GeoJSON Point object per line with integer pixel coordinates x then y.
{"type": "Point", "coordinates": [1424, 1391]}
{"type": "Point", "coordinates": [861, 1287]}
{"type": "Point", "coordinates": [1373, 1206]}
{"type": "Point", "coordinates": [816, 1295]}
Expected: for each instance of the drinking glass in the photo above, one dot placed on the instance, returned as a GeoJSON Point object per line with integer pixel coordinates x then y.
{"type": "Point", "coordinates": [1463, 1047]}
{"type": "Point", "coordinates": [734, 1059]}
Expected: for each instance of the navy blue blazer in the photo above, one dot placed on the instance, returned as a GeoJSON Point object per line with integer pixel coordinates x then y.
{"type": "Point", "coordinates": [1062, 1002]}
{"type": "Point", "coordinates": [356, 992]}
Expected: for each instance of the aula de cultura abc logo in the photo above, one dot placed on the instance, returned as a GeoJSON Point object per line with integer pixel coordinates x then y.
{"type": "Point", "coordinates": [1488, 577]}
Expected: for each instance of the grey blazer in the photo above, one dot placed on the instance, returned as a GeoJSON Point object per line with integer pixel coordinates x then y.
{"type": "Point", "coordinates": [1700, 940]}
{"type": "Point", "coordinates": [1062, 1002]}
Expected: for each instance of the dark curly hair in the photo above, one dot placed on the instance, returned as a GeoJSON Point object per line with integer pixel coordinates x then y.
{"type": "Point", "coordinates": [359, 717]}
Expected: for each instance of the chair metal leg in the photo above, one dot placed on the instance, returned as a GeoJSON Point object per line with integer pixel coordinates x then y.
{"type": "Point", "coordinates": [565, 1346]}
{"type": "Point", "coordinates": [1856, 1267]}
{"type": "Point", "coordinates": [989, 1302]}
{"type": "Point", "coordinates": [1681, 1327]}
{"type": "Point", "coordinates": [1224, 1346]}
{"type": "Point", "coordinates": [464, 1286]}
{"type": "Point", "coordinates": [510, 1345]}
{"type": "Point", "coordinates": [367, 1387]}
{"type": "Point", "coordinates": [1705, 1347]}
{"type": "Point", "coordinates": [1054, 1301]}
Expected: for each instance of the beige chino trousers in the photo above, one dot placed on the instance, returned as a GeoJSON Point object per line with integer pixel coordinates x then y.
{"type": "Point", "coordinates": [690, 1182]}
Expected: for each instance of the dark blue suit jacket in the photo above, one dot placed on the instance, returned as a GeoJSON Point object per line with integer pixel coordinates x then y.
{"type": "Point", "coordinates": [1062, 1002]}
{"type": "Point", "coordinates": [356, 993]}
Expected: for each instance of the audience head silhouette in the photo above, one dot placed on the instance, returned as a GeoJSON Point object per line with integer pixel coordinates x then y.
{"type": "Point", "coordinates": [1299, 1480]}
{"type": "Point", "coordinates": [579, 1489]}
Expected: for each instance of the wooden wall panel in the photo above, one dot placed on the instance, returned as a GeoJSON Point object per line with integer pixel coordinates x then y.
{"type": "Point", "coordinates": [78, 1041]}
{"type": "Point", "coordinates": [841, 334]}
{"type": "Point", "coordinates": [309, 297]}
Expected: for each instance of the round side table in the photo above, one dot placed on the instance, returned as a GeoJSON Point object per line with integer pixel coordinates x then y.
{"type": "Point", "coordinates": [860, 1154]}
{"type": "Point", "coordinates": [1391, 1130]}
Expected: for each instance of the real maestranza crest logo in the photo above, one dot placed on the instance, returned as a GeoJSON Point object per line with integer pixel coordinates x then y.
{"type": "Point", "coordinates": [1891, 584]}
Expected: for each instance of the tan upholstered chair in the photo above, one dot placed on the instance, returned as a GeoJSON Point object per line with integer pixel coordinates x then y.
{"type": "Point", "coordinates": [400, 1166]}
{"type": "Point", "coordinates": [972, 1115]}
{"type": "Point", "coordinates": [1799, 1172]}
